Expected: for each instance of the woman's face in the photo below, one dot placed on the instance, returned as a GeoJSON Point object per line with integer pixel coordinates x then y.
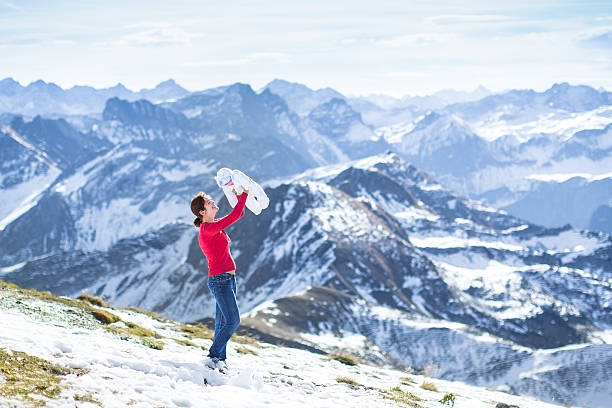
{"type": "Point", "coordinates": [210, 207]}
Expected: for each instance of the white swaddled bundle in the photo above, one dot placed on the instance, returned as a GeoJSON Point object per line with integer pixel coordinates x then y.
{"type": "Point", "coordinates": [229, 180]}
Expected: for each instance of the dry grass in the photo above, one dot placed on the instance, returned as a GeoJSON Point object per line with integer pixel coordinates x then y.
{"type": "Point", "coordinates": [105, 317]}
{"type": "Point", "coordinates": [398, 395]}
{"type": "Point", "coordinates": [94, 300]}
{"type": "Point", "coordinates": [407, 381]}
{"type": "Point", "coordinates": [246, 350]}
{"type": "Point", "coordinates": [251, 341]}
{"type": "Point", "coordinates": [28, 378]}
{"type": "Point", "coordinates": [349, 381]}
{"type": "Point", "coordinates": [186, 343]}
{"type": "Point", "coordinates": [87, 398]}
{"type": "Point", "coordinates": [344, 358]}
{"type": "Point", "coordinates": [132, 331]}
{"type": "Point", "coordinates": [429, 386]}
{"type": "Point", "coordinates": [198, 331]}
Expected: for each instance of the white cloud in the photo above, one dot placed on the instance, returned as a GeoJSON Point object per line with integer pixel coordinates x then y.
{"type": "Point", "coordinates": [467, 18]}
{"type": "Point", "coordinates": [268, 57]}
{"type": "Point", "coordinates": [159, 37]}
{"type": "Point", "coordinates": [162, 24]}
{"type": "Point", "coordinates": [11, 6]}
{"type": "Point", "coordinates": [418, 39]}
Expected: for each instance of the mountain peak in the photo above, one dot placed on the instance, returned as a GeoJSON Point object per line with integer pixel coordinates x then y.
{"type": "Point", "coordinates": [9, 86]}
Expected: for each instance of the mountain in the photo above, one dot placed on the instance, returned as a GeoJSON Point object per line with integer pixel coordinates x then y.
{"type": "Point", "coordinates": [501, 147]}
{"type": "Point", "coordinates": [555, 203]}
{"type": "Point", "coordinates": [144, 161]}
{"type": "Point", "coordinates": [377, 255]}
{"type": "Point", "coordinates": [34, 154]}
{"type": "Point", "coordinates": [24, 173]}
{"type": "Point", "coordinates": [42, 98]}
{"type": "Point", "coordinates": [342, 125]}
{"type": "Point", "coordinates": [379, 250]}
{"type": "Point", "coordinates": [445, 145]}
{"type": "Point", "coordinates": [301, 99]}
{"type": "Point", "coordinates": [519, 105]}
{"type": "Point", "coordinates": [65, 352]}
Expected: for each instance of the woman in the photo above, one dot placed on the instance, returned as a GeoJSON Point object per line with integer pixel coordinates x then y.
{"type": "Point", "coordinates": [214, 242]}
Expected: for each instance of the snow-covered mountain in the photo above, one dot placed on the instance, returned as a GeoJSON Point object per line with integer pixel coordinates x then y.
{"type": "Point", "coordinates": [55, 352]}
{"type": "Point", "coordinates": [142, 162]}
{"type": "Point", "coordinates": [501, 147]}
{"type": "Point", "coordinates": [375, 250]}
{"type": "Point", "coordinates": [579, 201]}
{"type": "Point", "coordinates": [42, 98]}
{"type": "Point", "coordinates": [378, 249]}
{"type": "Point", "coordinates": [301, 99]}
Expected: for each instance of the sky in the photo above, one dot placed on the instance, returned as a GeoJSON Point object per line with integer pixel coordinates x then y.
{"type": "Point", "coordinates": [356, 47]}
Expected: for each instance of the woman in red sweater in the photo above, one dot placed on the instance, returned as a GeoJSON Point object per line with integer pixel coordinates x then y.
{"type": "Point", "coordinates": [221, 270]}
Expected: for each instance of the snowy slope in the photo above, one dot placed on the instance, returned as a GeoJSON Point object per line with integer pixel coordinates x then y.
{"type": "Point", "coordinates": [106, 370]}
{"type": "Point", "coordinates": [364, 247]}
{"type": "Point", "coordinates": [25, 172]}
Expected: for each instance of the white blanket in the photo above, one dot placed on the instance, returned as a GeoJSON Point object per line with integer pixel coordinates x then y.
{"type": "Point", "coordinates": [229, 180]}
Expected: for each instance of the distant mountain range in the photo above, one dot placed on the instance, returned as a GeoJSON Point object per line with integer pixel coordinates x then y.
{"type": "Point", "coordinates": [42, 98]}
{"type": "Point", "coordinates": [372, 230]}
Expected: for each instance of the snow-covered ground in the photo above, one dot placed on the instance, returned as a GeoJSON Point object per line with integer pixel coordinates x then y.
{"type": "Point", "coordinates": [127, 373]}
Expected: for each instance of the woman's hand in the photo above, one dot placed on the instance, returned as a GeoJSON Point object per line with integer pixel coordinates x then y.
{"type": "Point", "coordinates": [243, 190]}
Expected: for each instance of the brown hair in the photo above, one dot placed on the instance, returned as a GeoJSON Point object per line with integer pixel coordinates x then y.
{"type": "Point", "coordinates": [197, 205]}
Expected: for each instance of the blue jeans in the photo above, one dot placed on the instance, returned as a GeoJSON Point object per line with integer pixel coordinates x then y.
{"type": "Point", "coordinates": [227, 316]}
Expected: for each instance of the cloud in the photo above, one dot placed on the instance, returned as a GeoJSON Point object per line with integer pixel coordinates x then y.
{"type": "Point", "coordinates": [466, 18]}
{"type": "Point", "coordinates": [159, 37]}
{"type": "Point", "coordinates": [602, 40]}
{"type": "Point", "coordinates": [9, 5]}
{"type": "Point", "coordinates": [418, 39]}
{"type": "Point", "coordinates": [267, 57]}
{"type": "Point", "coordinates": [21, 42]}
{"type": "Point", "coordinates": [161, 24]}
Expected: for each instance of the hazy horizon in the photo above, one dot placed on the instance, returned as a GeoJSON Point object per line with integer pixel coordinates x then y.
{"type": "Point", "coordinates": [396, 49]}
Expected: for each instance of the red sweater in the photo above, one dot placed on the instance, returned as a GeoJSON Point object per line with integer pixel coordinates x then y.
{"type": "Point", "coordinates": [215, 243]}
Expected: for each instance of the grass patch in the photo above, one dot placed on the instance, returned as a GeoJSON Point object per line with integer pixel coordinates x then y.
{"type": "Point", "coordinates": [449, 399]}
{"type": "Point", "coordinates": [407, 381]}
{"type": "Point", "coordinates": [87, 398]}
{"type": "Point", "coordinates": [189, 343]}
{"type": "Point", "coordinates": [29, 378]}
{"type": "Point", "coordinates": [251, 341]}
{"type": "Point", "coordinates": [105, 317]}
{"type": "Point", "coordinates": [94, 300]}
{"type": "Point", "coordinates": [198, 331]}
{"type": "Point", "coordinates": [344, 358]}
{"type": "Point", "coordinates": [429, 386]}
{"type": "Point", "coordinates": [130, 331]}
{"type": "Point", "coordinates": [143, 336]}
{"type": "Point", "coordinates": [47, 296]}
{"type": "Point", "coordinates": [398, 395]}
{"type": "Point", "coordinates": [245, 350]}
{"type": "Point", "coordinates": [349, 381]}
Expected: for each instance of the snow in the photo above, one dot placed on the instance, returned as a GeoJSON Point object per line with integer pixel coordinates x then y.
{"type": "Point", "coordinates": [340, 341]}
{"type": "Point", "coordinates": [563, 177]}
{"type": "Point", "coordinates": [561, 123]}
{"type": "Point", "coordinates": [12, 268]}
{"type": "Point", "coordinates": [125, 373]}
{"type": "Point", "coordinates": [100, 227]}
{"type": "Point", "coordinates": [20, 199]}
{"type": "Point", "coordinates": [457, 241]}
{"type": "Point", "coordinates": [393, 134]}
